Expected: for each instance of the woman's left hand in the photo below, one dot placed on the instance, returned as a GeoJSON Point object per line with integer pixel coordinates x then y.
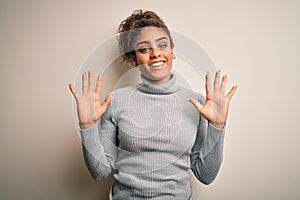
{"type": "Point", "coordinates": [216, 106]}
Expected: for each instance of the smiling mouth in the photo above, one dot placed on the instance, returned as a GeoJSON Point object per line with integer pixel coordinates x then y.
{"type": "Point", "coordinates": [157, 64]}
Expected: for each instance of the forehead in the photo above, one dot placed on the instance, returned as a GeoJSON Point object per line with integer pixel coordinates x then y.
{"type": "Point", "coordinates": [151, 34]}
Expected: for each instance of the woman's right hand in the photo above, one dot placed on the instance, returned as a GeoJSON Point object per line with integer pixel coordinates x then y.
{"type": "Point", "coordinates": [89, 107]}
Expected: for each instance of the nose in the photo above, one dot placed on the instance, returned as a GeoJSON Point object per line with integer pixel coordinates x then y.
{"type": "Point", "coordinates": [155, 53]}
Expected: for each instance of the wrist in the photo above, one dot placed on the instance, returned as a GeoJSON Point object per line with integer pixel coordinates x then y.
{"type": "Point", "coordinates": [86, 125]}
{"type": "Point", "coordinates": [218, 125]}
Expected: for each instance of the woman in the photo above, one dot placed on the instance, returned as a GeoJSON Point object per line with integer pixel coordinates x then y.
{"type": "Point", "coordinates": [149, 130]}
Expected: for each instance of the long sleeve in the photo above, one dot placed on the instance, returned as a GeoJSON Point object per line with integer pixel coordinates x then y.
{"type": "Point", "coordinates": [207, 152]}
{"type": "Point", "coordinates": [99, 146]}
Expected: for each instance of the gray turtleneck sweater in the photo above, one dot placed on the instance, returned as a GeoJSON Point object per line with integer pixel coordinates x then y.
{"type": "Point", "coordinates": [147, 134]}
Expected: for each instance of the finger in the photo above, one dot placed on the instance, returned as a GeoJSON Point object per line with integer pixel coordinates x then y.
{"type": "Point", "coordinates": [223, 84]}
{"type": "Point", "coordinates": [217, 81]}
{"type": "Point", "coordinates": [207, 86]}
{"type": "Point", "coordinates": [99, 84]}
{"type": "Point", "coordinates": [106, 101]}
{"type": "Point", "coordinates": [74, 92]}
{"type": "Point", "coordinates": [231, 92]}
{"type": "Point", "coordinates": [91, 80]}
{"type": "Point", "coordinates": [197, 104]}
{"type": "Point", "coordinates": [84, 86]}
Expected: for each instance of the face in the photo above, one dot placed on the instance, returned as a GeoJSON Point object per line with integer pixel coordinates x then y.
{"type": "Point", "coordinates": [154, 54]}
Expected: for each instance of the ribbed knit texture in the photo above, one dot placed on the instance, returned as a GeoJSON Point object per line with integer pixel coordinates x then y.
{"type": "Point", "coordinates": [147, 134]}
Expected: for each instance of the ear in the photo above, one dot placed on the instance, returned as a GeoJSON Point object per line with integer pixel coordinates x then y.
{"type": "Point", "coordinates": [134, 61]}
{"type": "Point", "coordinates": [173, 54]}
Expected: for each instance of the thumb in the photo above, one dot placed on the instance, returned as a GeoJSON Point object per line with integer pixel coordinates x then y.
{"type": "Point", "coordinates": [197, 104]}
{"type": "Point", "coordinates": [104, 105]}
{"type": "Point", "coordinates": [107, 101]}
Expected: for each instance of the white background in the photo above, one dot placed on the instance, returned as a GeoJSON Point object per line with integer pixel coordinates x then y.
{"type": "Point", "coordinates": [43, 44]}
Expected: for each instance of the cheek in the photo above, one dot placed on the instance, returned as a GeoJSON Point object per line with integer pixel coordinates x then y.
{"type": "Point", "coordinates": [170, 56]}
{"type": "Point", "coordinates": [168, 53]}
{"type": "Point", "coordinates": [141, 58]}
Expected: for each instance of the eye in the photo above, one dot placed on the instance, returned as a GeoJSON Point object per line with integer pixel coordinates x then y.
{"type": "Point", "coordinates": [144, 50]}
{"type": "Point", "coordinates": [162, 46]}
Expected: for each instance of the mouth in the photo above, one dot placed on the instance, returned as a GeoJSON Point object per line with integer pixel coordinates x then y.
{"type": "Point", "coordinates": [157, 64]}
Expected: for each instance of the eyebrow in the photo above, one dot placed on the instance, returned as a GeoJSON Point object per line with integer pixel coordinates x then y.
{"type": "Point", "coordinates": [147, 42]}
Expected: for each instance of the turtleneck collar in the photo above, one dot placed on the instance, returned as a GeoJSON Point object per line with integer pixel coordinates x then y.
{"type": "Point", "coordinates": [168, 87]}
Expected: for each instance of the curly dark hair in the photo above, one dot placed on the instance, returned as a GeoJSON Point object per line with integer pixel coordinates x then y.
{"type": "Point", "coordinates": [131, 27]}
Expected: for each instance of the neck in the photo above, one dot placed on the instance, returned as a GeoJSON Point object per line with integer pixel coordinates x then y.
{"type": "Point", "coordinates": [153, 81]}
{"type": "Point", "coordinates": [151, 87]}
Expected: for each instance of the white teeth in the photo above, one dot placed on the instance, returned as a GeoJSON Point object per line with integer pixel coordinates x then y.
{"type": "Point", "coordinates": [157, 64]}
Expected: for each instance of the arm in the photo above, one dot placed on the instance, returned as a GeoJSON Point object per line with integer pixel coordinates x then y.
{"type": "Point", "coordinates": [98, 157]}
{"type": "Point", "coordinates": [99, 146]}
{"type": "Point", "coordinates": [206, 156]}
{"type": "Point", "coordinates": [207, 152]}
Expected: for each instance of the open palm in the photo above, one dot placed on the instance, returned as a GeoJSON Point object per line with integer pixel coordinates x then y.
{"type": "Point", "coordinates": [216, 106]}
{"type": "Point", "coordinates": [89, 107]}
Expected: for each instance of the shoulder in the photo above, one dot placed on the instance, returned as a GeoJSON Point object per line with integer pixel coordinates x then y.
{"type": "Point", "coordinates": [189, 93]}
{"type": "Point", "coordinates": [118, 101]}
{"type": "Point", "coordinates": [123, 92]}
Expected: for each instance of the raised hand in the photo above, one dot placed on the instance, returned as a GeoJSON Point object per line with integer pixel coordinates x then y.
{"type": "Point", "coordinates": [216, 106]}
{"type": "Point", "coordinates": [89, 107]}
